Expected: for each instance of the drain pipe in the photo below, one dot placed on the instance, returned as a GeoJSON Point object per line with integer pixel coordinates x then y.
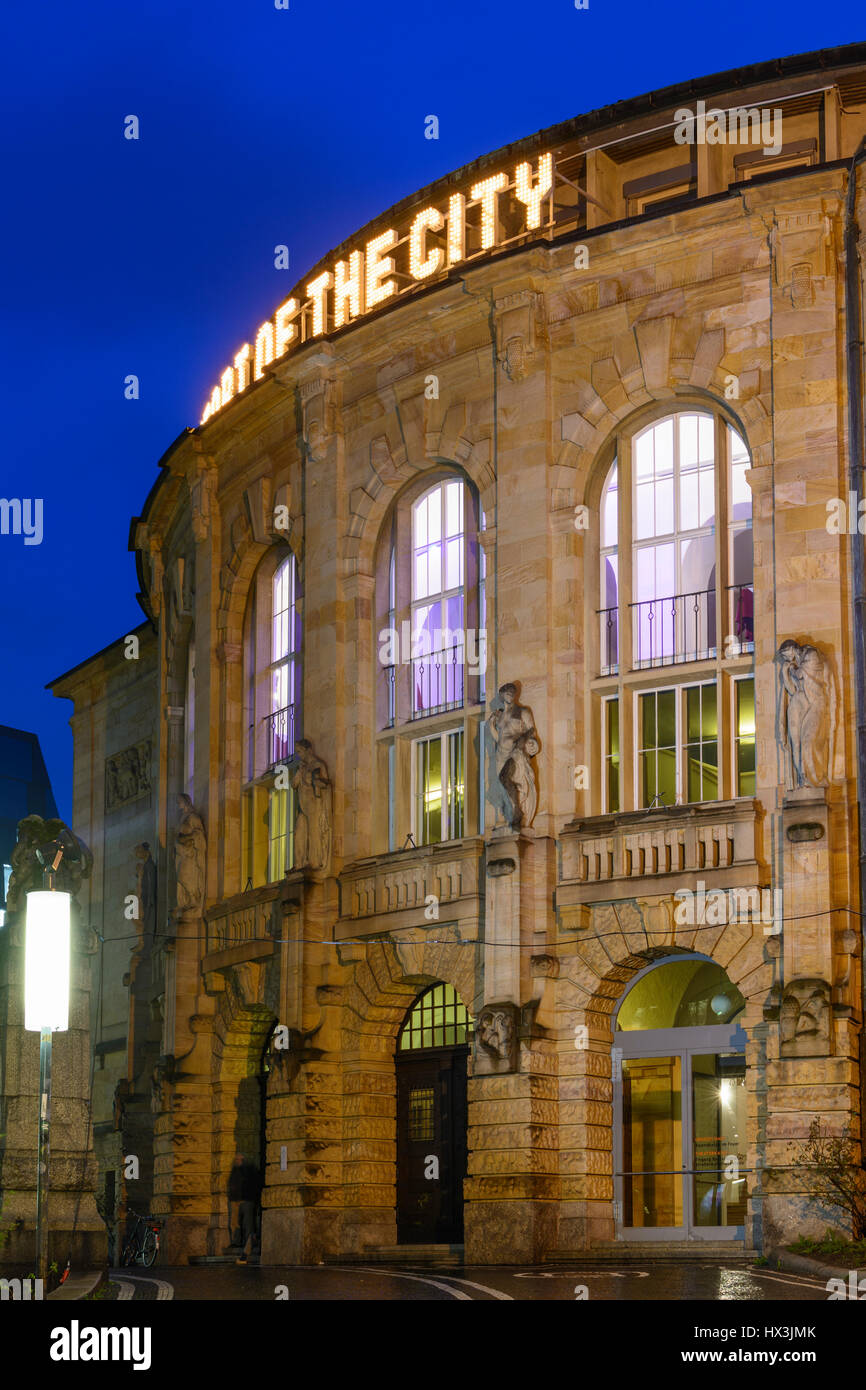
{"type": "Point", "coordinates": [854, 356]}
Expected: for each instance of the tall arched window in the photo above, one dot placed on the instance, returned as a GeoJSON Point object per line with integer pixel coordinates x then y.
{"type": "Point", "coordinates": [675, 591]}
{"type": "Point", "coordinates": [431, 659]}
{"type": "Point", "coordinates": [438, 599]}
{"type": "Point", "coordinates": [272, 657]}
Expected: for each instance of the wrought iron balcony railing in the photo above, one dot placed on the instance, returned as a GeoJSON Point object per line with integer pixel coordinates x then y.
{"type": "Point", "coordinates": [389, 674]}
{"type": "Point", "coordinates": [667, 631]}
{"type": "Point", "coordinates": [280, 735]}
{"type": "Point", "coordinates": [609, 636]}
{"type": "Point", "coordinates": [438, 681]}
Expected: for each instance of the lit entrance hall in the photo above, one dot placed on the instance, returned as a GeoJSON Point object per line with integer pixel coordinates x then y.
{"type": "Point", "coordinates": [680, 1104]}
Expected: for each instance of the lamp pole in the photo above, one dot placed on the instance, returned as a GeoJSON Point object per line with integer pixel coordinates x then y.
{"type": "Point", "coordinates": [43, 1154]}
{"type": "Point", "coordinates": [46, 1008]}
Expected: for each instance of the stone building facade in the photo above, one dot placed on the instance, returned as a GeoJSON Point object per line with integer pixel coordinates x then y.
{"type": "Point", "coordinates": [547, 937]}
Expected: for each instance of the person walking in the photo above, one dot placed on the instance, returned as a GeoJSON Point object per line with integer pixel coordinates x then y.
{"type": "Point", "coordinates": [245, 1187]}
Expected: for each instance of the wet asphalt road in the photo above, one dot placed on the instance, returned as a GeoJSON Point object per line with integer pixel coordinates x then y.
{"type": "Point", "coordinates": [654, 1282]}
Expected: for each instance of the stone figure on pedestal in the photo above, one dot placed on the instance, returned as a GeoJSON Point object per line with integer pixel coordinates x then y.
{"type": "Point", "coordinates": [807, 715]}
{"type": "Point", "coordinates": [145, 884]}
{"type": "Point", "coordinates": [190, 853]}
{"type": "Point", "coordinates": [313, 827]}
{"type": "Point", "coordinates": [516, 742]}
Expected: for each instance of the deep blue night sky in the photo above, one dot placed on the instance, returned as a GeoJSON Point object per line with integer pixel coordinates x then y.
{"type": "Point", "coordinates": [258, 127]}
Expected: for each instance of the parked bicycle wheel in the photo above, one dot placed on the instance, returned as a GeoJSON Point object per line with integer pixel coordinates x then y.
{"type": "Point", "coordinates": [149, 1248]}
{"type": "Point", "coordinates": [130, 1251]}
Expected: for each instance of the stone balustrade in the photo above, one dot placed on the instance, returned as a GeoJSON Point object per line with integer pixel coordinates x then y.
{"type": "Point", "coordinates": [614, 856]}
{"type": "Point", "coordinates": [245, 918]}
{"type": "Point", "coordinates": [399, 886]}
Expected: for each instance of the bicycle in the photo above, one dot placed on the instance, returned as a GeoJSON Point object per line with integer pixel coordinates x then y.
{"type": "Point", "coordinates": [142, 1245]}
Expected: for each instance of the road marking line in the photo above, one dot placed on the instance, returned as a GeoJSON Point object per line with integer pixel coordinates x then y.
{"type": "Point", "coordinates": [587, 1274]}
{"type": "Point", "coordinates": [365, 1269]}
{"type": "Point", "coordinates": [807, 1282]}
{"type": "Point", "coordinates": [164, 1290]}
{"type": "Point", "coordinates": [494, 1293]}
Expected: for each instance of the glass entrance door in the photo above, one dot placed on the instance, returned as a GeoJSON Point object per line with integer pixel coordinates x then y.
{"type": "Point", "coordinates": [682, 1153]}
{"type": "Point", "coordinates": [680, 1105]}
{"type": "Point", "coordinates": [652, 1129]}
{"type": "Point", "coordinates": [718, 1141]}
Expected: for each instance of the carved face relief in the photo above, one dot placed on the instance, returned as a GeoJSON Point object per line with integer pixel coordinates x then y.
{"type": "Point", "coordinates": [804, 1019]}
{"type": "Point", "coordinates": [496, 1032]}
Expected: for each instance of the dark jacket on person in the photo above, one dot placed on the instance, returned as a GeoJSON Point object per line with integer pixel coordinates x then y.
{"type": "Point", "coordinates": [244, 1183]}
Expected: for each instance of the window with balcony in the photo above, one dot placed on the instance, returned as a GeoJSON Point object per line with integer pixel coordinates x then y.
{"type": "Point", "coordinates": [431, 659]}
{"type": "Point", "coordinates": [682, 588]}
{"type": "Point", "coordinates": [676, 590]}
{"type": "Point", "coordinates": [272, 657]}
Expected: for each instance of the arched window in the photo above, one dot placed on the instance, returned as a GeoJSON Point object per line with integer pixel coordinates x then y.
{"type": "Point", "coordinates": [439, 1018]}
{"type": "Point", "coordinates": [272, 714]}
{"type": "Point", "coordinates": [432, 654]}
{"type": "Point", "coordinates": [675, 590]}
{"type": "Point", "coordinates": [688, 993]}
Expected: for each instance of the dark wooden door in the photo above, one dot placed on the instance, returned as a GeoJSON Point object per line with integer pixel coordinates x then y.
{"type": "Point", "coordinates": [431, 1145]}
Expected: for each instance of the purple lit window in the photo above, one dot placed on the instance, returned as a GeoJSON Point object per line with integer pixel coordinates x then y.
{"type": "Point", "coordinates": [284, 665]}
{"type": "Point", "coordinates": [438, 600]}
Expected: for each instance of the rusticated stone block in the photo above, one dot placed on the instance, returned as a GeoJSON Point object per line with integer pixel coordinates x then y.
{"type": "Point", "coordinates": [581, 1113]}
{"type": "Point", "coordinates": [587, 1186]}
{"type": "Point", "coordinates": [507, 1136]}
{"type": "Point", "coordinates": [508, 1231]}
{"type": "Point", "coordinates": [523, 1160]}
{"type": "Point", "coordinates": [575, 1088]}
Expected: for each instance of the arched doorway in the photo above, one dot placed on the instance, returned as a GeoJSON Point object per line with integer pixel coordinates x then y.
{"type": "Point", "coordinates": [432, 1048]}
{"type": "Point", "coordinates": [680, 1104]}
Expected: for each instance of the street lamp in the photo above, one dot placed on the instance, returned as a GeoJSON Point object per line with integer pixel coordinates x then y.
{"type": "Point", "coordinates": [46, 1009]}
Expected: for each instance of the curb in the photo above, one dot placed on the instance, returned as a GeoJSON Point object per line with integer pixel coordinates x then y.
{"type": "Point", "coordinates": [78, 1286]}
{"type": "Point", "coordinates": [801, 1264]}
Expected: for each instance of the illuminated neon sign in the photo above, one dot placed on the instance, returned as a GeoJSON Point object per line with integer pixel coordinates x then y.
{"type": "Point", "coordinates": [435, 241]}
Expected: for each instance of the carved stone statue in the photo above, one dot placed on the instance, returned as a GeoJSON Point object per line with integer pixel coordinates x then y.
{"type": "Point", "coordinates": [162, 1075]}
{"type": "Point", "coordinates": [145, 884]}
{"type": "Point", "coordinates": [127, 775]}
{"type": "Point", "coordinates": [807, 715]}
{"type": "Point", "coordinates": [313, 826]}
{"type": "Point", "coordinates": [44, 837]}
{"type": "Point", "coordinates": [516, 742]}
{"type": "Point", "coordinates": [495, 1031]}
{"type": "Point", "coordinates": [190, 853]}
{"type": "Point", "coordinates": [804, 1019]}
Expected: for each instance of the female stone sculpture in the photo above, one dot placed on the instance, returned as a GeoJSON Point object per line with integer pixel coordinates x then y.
{"type": "Point", "coordinates": [313, 827]}
{"type": "Point", "coordinates": [190, 850]}
{"type": "Point", "coordinates": [516, 741]}
{"type": "Point", "coordinates": [806, 714]}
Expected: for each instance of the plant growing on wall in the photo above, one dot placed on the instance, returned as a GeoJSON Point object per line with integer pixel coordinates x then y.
{"type": "Point", "coordinates": [835, 1174]}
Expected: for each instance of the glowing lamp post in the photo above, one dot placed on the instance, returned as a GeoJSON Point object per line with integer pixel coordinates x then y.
{"type": "Point", "coordinates": [46, 1010]}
